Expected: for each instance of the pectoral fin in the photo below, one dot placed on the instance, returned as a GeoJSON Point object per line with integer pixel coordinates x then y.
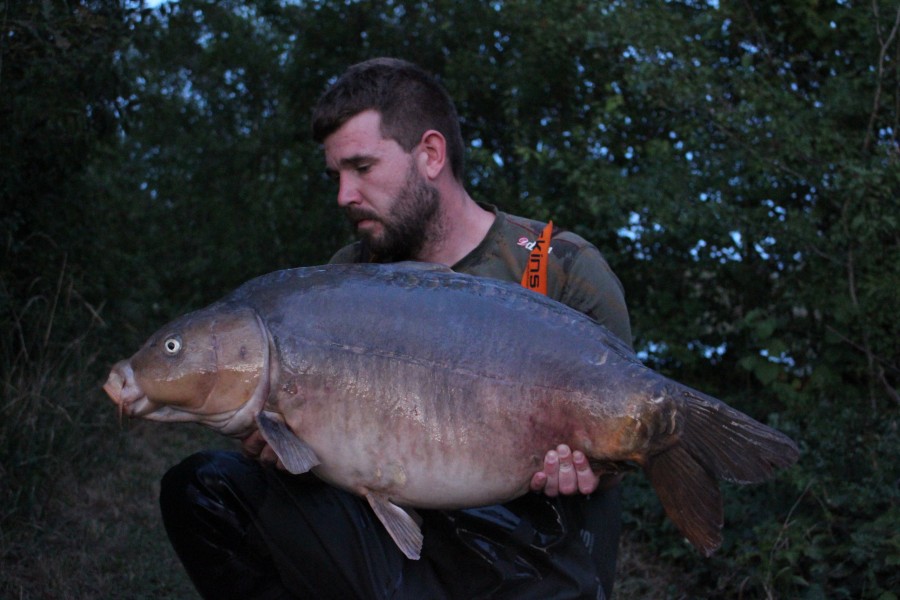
{"type": "Point", "coordinates": [296, 456]}
{"type": "Point", "coordinates": [399, 524]}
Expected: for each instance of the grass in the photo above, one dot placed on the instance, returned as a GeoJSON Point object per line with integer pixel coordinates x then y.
{"type": "Point", "coordinates": [78, 508]}
{"type": "Point", "coordinates": [100, 535]}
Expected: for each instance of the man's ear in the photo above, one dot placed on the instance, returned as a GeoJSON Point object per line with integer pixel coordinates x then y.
{"type": "Point", "coordinates": [432, 153]}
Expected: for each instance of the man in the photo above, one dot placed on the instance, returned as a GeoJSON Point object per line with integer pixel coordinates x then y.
{"type": "Point", "coordinates": [244, 529]}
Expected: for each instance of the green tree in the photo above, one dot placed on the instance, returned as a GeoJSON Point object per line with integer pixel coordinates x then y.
{"type": "Point", "coordinates": [60, 107]}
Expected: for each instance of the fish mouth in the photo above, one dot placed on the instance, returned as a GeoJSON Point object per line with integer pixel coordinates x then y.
{"type": "Point", "coordinates": [123, 390]}
{"type": "Point", "coordinates": [142, 407]}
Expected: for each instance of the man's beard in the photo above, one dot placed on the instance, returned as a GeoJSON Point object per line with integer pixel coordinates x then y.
{"type": "Point", "coordinates": [412, 222]}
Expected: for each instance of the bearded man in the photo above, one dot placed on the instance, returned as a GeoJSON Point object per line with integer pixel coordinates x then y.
{"type": "Point", "coordinates": [244, 528]}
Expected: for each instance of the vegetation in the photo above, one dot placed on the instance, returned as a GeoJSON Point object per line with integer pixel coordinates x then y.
{"type": "Point", "coordinates": [736, 163]}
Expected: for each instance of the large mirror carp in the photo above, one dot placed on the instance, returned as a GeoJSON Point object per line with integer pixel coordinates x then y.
{"type": "Point", "coordinates": [415, 386]}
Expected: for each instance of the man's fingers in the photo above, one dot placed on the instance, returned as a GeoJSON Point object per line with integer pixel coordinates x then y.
{"type": "Point", "coordinates": [587, 480]}
{"type": "Point", "coordinates": [565, 472]}
{"type": "Point", "coordinates": [538, 481]}
{"type": "Point", "coordinates": [551, 470]}
{"type": "Point", "coordinates": [268, 456]}
{"type": "Point", "coordinates": [567, 477]}
{"type": "Point", "coordinates": [253, 444]}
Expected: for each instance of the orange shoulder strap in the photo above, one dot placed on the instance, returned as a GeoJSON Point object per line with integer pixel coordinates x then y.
{"type": "Point", "coordinates": [535, 275]}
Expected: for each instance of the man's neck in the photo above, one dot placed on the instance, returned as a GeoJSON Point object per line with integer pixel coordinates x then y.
{"type": "Point", "coordinates": [463, 225]}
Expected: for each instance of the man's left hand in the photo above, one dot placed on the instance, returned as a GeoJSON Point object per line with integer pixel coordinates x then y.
{"type": "Point", "coordinates": [255, 446]}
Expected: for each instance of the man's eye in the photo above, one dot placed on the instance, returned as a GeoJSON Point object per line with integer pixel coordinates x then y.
{"type": "Point", "coordinates": [363, 169]}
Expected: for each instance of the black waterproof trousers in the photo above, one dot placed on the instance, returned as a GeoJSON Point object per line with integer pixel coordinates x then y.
{"type": "Point", "coordinates": [249, 531]}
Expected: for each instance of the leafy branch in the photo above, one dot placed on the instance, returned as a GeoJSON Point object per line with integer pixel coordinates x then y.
{"type": "Point", "coordinates": [884, 46]}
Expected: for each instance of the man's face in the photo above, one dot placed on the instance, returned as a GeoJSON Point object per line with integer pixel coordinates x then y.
{"type": "Point", "coordinates": [392, 206]}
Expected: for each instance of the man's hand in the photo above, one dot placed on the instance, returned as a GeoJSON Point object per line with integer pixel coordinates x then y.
{"type": "Point", "coordinates": [566, 472]}
{"type": "Point", "coordinates": [255, 446]}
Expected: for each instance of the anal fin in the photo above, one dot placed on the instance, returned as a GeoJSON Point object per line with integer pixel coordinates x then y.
{"type": "Point", "coordinates": [295, 454]}
{"type": "Point", "coordinates": [400, 525]}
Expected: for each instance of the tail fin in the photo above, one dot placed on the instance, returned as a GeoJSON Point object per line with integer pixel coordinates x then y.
{"type": "Point", "coordinates": [717, 442]}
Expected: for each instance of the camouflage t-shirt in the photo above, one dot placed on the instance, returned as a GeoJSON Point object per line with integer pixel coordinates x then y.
{"type": "Point", "coordinates": [577, 273]}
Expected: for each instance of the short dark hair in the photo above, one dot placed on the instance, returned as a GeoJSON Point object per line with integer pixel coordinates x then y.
{"type": "Point", "coordinates": [409, 100]}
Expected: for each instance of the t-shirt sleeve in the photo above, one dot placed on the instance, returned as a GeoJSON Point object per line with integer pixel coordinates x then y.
{"type": "Point", "coordinates": [591, 287]}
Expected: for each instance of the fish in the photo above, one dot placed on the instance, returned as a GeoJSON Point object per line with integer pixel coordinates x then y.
{"type": "Point", "coordinates": [417, 387]}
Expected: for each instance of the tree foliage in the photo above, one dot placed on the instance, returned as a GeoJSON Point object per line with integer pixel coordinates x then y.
{"type": "Point", "coordinates": [737, 163]}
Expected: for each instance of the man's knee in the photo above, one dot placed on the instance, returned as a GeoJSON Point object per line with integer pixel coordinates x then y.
{"type": "Point", "coordinates": [209, 486]}
{"type": "Point", "coordinates": [208, 511]}
{"type": "Point", "coordinates": [175, 483]}
{"type": "Point", "coordinates": [182, 482]}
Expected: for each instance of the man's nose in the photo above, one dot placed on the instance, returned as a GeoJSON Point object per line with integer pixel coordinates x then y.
{"type": "Point", "coordinates": [348, 193]}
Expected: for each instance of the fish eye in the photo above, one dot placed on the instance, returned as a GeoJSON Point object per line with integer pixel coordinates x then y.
{"type": "Point", "coordinates": [172, 345]}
